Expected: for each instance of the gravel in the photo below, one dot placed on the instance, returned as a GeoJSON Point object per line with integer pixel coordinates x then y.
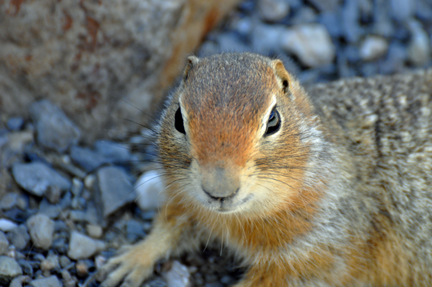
{"type": "Point", "coordinates": [51, 281]}
{"type": "Point", "coordinates": [83, 247]}
{"type": "Point", "coordinates": [4, 244]}
{"type": "Point", "coordinates": [9, 269]}
{"type": "Point", "coordinates": [41, 229]}
{"type": "Point", "coordinates": [19, 237]}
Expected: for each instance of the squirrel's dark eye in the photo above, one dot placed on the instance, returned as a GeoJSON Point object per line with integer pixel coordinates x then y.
{"type": "Point", "coordinates": [178, 122]}
{"type": "Point", "coordinates": [273, 123]}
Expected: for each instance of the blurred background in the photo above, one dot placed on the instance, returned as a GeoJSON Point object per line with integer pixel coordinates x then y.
{"type": "Point", "coordinates": [80, 82]}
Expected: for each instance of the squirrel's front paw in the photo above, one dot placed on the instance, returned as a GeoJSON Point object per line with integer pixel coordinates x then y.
{"type": "Point", "coordinates": [132, 267]}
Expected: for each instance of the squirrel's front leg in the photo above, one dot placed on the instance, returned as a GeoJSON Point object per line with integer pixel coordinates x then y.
{"type": "Point", "coordinates": [136, 262]}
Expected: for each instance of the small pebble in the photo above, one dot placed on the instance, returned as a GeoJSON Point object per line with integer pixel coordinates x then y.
{"type": "Point", "coordinates": [9, 269]}
{"type": "Point", "coordinates": [82, 247]}
{"type": "Point", "coordinates": [19, 237]}
{"type": "Point", "coordinates": [64, 261]}
{"type": "Point", "coordinates": [150, 190]}
{"type": "Point", "coordinates": [4, 244]}
{"type": "Point", "coordinates": [419, 46]}
{"type": "Point", "coordinates": [115, 189]}
{"type": "Point", "coordinates": [8, 201]}
{"type": "Point", "coordinates": [48, 209]}
{"type": "Point", "coordinates": [41, 229]}
{"type": "Point", "coordinates": [373, 47]}
{"type": "Point", "coordinates": [68, 281]}
{"type": "Point", "coordinates": [94, 231]}
{"type": "Point", "coordinates": [178, 275]}
{"type": "Point", "coordinates": [113, 152]}
{"type": "Point", "coordinates": [54, 129]}
{"type": "Point", "coordinates": [51, 281]}
{"type": "Point", "coordinates": [273, 10]}
{"type": "Point", "coordinates": [311, 43]}
{"type": "Point", "coordinates": [50, 263]}
{"type": "Point", "coordinates": [20, 280]}
{"type": "Point", "coordinates": [6, 225]}
{"type": "Point", "coordinates": [15, 123]}
{"type": "Point", "coordinates": [86, 158]}
{"type": "Point", "coordinates": [81, 268]}
{"type": "Point", "coordinates": [37, 177]}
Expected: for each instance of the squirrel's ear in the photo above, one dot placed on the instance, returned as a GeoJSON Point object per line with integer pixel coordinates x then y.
{"type": "Point", "coordinates": [282, 74]}
{"type": "Point", "coordinates": [191, 62]}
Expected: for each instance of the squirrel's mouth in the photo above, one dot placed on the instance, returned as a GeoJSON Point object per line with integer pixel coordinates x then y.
{"type": "Point", "coordinates": [228, 204]}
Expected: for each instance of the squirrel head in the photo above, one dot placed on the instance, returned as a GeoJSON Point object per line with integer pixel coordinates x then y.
{"type": "Point", "coordinates": [234, 136]}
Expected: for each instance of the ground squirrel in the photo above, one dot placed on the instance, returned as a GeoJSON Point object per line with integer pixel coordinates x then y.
{"type": "Point", "coordinates": [333, 188]}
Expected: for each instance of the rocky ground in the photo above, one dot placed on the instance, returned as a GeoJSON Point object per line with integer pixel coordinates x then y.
{"type": "Point", "coordinates": [66, 208]}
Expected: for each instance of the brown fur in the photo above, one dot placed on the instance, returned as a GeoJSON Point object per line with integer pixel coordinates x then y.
{"type": "Point", "coordinates": [338, 196]}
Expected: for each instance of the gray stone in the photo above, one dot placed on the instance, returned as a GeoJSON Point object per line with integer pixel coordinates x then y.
{"type": "Point", "coordinates": [373, 47]}
{"type": "Point", "coordinates": [77, 187]}
{"type": "Point", "coordinates": [419, 46]}
{"type": "Point", "coordinates": [273, 10]}
{"type": "Point", "coordinates": [325, 5]}
{"type": "Point", "coordinates": [402, 9]}
{"type": "Point", "coordinates": [83, 247]}
{"type": "Point", "coordinates": [19, 140]}
{"type": "Point", "coordinates": [9, 269]}
{"type": "Point", "coordinates": [19, 237]}
{"type": "Point", "coordinates": [50, 210]}
{"type": "Point", "coordinates": [115, 189]}
{"type": "Point", "coordinates": [86, 158]}
{"type": "Point", "coordinates": [331, 20]}
{"type": "Point", "coordinates": [37, 177]}
{"type": "Point", "coordinates": [8, 201]}
{"type": "Point", "coordinates": [4, 244]}
{"type": "Point", "coordinates": [150, 190]}
{"type": "Point", "coordinates": [50, 263]}
{"type": "Point", "coordinates": [266, 38]}
{"type": "Point", "coordinates": [311, 43]}
{"type": "Point", "coordinates": [54, 129]}
{"type": "Point", "coordinates": [94, 231]}
{"type": "Point", "coordinates": [19, 281]}
{"type": "Point", "coordinates": [178, 275]}
{"type": "Point", "coordinates": [41, 230]}
{"type": "Point", "coordinates": [113, 152]}
{"type": "Point", "coordinates": [350, 20]}
{"type": "Point", "coordinates": [15, 123]}
{"type": "Point", "coordinates": [6, 224]}
{"type": "Point", "coordinates": [64, 261]}
{"type": "Point", "coordinates": [134, 230]}
{"type": "Point", "coordinates": [51, 281]}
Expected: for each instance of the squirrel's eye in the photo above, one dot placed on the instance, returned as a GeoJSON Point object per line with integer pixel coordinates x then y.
{"type": "Point", "coordinates": [178, 122]}
{"type": "Point", "coordinates": [273, 123]}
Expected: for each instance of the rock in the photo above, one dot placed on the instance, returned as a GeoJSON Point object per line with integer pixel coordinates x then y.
{"type": "Point", "coordinates": [68, 281]}
{"type": "Point", "coordinates": [64, 261]}
{"type": "Point", "coordinates": [50, 210]}
{"type": "Point", "coordinates": [273, 10]}
{"type": "Point", "coordinates": [99, 62]}
{"type": "Point", "coordinates": [51, 281]}
{"type": "Point", "coordinates": [150, 190]}
{"type": "Point", "coordinates": [50, 263]}
{"type": "Point", "coordinates": [419, 45]}
{"type": "Point", "coordinates": [325, 5]}
{"type": "Point", "coordinates": [134, 230]}
{"type": "Point", "coordinates": [37, 177]}
{"type": "Point", "coordinates": [373, 47]}
{"type": "Point", "coordinates": [331, 21]}
{"type": "Point", "coordinates": [87, 159]}
{"type": "Point", "coordinates": [305, 15]}
{"type": "Point", "coordinates": [4, 243]}
{"type": "Point", "coordinates": [41, 230]}
{"type": "Point", "coordinates": [8, 201]}
{"type": "Point", "coordinates": [267, 38]}
{"type": "Point", "coordinates": [9, 269]}
{"type": "Point", "coordinates": [94, 231]}
{"type": "Point", "coordinates": [19, 237]}
{"type": "Point", "coordinates": [6, 225]}
{"type": "Point", "coordinates": [350, 20]}
{"type": "Point", "coordinates": [54, 129]}
{"type": "Point", "coordinates": [15, 123]}
{"type": "Point", "coordinates": [402, 10]}
{"type": "Point", "coordinates": [178, 275]}
{"type": "Point", "coordinates": [82, 247]}
{"type": "Point", "coordinates": [113, 152]}
{"type": "Point", "coordinates": [115, 189]}
{"type": "Point", "coordinates": [19, 281]}
{"type": "Point", "coordinates": [19, 140]}
{"type": "Point", "coordinates": [311, 43]}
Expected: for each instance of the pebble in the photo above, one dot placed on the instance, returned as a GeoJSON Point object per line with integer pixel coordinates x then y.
{"type": "Point", "coordinates": [20, 280]}
{"type": "Point", "coordinates": [51, 281]}
{"type": "Point", "coordinates": [19, 140]}
{"type": "Point", "coordinates": [266, 38]}
{"type": "Point", "coordinates": [273, 10]}
{"type": "Point", "coordinates": [7, 225]}
{"type": "Point", "coordinates": [373, 47]}
{"type": "Point", "coordinates": [77, 187]}
{"type": "Point", "coordinates": [19, 237]}
{"type": "Point", "coordinates": [68, 281]}
{"type": "Point", "coordinates": [48, 209]}
{"type": "Point", "coordinates": [41, 229]}
{"type": "Point", "coordinates": [82, 247]}
{"type": "Point", "coordinates": [178, 275]}
{"type": "Point", "coordinates": [9, 269]}
{"type": "Point", "coordinates": [402, 9]}
{"type": "Point", "coordinates": [150, 190]}
{"type": "Point", "coordinates": [54, 129]}
{"type": "Point", "coordinates": [94, 231]}
{"type": "Point", "coordinates": [4, 244]}
{"type": "Point", "coordinates": [37, 178]}
{"type": "Point", "coordinates": [50, 263]}
{"type": "Point", "coordinates": [134, 230]}
{"type": "Point", "coordinates": [64, 261]}
{"type": "Point", "coordinates": [350, 21]}
{"type": "Point", "coordinates": [113, 152]}
{"type": "Point", "coordinates": [115, 189]}
{"type": "Point", "coordinates": [311, 43]}
{"type": "Point", "coordinates": [15, 123]}
{"type": "Point", "coordinates": [419, 45]}
{"type": "Point", "coordinates": [86, 158]}
{"type": "Point", "coordinates": [8, 201]}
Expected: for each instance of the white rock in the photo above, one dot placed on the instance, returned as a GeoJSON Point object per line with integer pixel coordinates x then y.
{"type": "Point", "coordinates": [311, 43]}
{"type": "Point", "coordinates": [150, 190]}
{"type": "Point", "coordinates": [373, 47]}
{"type": "Point", "coordinates": [83, 247]}
{"type": "Point", "coordinates": [6, 225]}
{"type": "Point", "coordinates": [41, 229]}
{"type": "Point", "coordinates": [418, 48]}
{"type": "Point", "coordinates": [178, 276]}
{"type": "Point", "coordinates": [273, 10]}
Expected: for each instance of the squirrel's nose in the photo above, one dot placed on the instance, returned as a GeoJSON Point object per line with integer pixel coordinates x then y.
{"type": "Point", "coordinates": [220, 184]}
